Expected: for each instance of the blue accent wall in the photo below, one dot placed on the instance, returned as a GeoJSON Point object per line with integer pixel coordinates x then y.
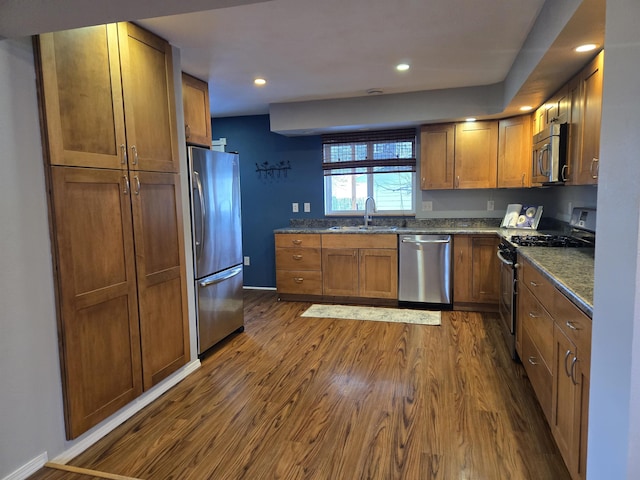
{"type": "Point", "coordinates": [266, 200]}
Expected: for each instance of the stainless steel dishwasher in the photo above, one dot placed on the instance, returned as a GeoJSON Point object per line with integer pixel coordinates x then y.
{"type": "Point", "coordinates": [425, 269]}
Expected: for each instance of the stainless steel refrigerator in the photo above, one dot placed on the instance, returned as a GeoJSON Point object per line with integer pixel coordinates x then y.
{"type": "Point", "coordinates": [217, 244]}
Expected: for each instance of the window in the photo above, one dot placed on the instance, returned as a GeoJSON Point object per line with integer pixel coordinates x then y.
{"type": "Point", "coordinates": [381, 165]}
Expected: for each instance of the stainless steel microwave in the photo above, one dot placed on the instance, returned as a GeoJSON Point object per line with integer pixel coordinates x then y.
{"type": "Point", "coordinates": [550, 155]}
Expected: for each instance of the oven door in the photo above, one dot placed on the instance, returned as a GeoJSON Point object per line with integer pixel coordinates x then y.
{"type": "Point", "coordinates": [507, 301]}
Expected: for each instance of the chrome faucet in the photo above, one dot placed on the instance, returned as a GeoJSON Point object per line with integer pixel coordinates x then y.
{"type": "Point", "coordinates": [367, 215]}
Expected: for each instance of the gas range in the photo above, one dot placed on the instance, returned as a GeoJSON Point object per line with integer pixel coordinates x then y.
{"type": "Point", "coordinates": [552, 240]}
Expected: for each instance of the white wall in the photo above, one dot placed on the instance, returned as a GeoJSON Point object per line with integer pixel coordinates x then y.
{"type": "Point", "coordinates": [615, 383]}
{"type": "Point", "coordinates": [31, 420]}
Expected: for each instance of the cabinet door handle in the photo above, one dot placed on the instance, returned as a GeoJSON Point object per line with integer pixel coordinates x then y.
{"type": "Point", "coordinates": [533, 284]}
{"type": "Point", "coordinates": [125, 190]}
{"type": "Point", "coordinates": [572, 326]}
{"type": "Point", "coordinates": [532, 360]}
{"type": "Point", "coordinates": [458, 181]}
{"type": "Point", "coordinates": [296, 242]}
{"type": "Point", "coordinates": [137, 190]}
{"type": "Point", "coordinates": [522, 182]}
{"type": "Point", "coordinates": [594, 161]}
{"type": "Point", "coordinates": [533, 315]}
{"type": "Point", "coordinates": [297, 257]}
{"type": "Point", "coordinates": [563, 173]}
{"type": "Point", "coordinates": [298, 279]}
{"type": "Point", "coordinates": [573, 370]}
{"type": "Point", "coordinates": [187, 131]}
{"type": "Point", "coordinates": [566, 367]}
{"type": "Point", "coordinates": [134, 150]}
{"type": "Point", "coordinates": [123, 147]}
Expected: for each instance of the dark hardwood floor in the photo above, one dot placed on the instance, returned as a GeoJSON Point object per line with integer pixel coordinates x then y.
{"type": "Point", "coordinates": [306, 398]}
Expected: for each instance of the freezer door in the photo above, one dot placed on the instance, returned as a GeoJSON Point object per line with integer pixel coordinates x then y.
{"type": "Point", "coordinates": [220, 306]}
{"type": "Point", "coordinates": [215, 207]}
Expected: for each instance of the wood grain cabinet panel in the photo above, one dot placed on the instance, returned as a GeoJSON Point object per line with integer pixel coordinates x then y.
{"type": "Point", "coordinates": [377, 276]}
{"type": "Point", "coordinates": [197, 115]}
{"type": "Point", "coordinates": [437, 149]}
{"type": "Point", "coordinates": [476, 271]}
{"type": "Point", "coordinates": [149, 100]}
{"type": "Point", "coordinates": [97, 291]}
{"type": "Point", "coordinates": [81, 90]}
{"type": "Point", "coordinates": [162, 288]}
{"type": "Point", "coordinates": [514, 152]}
{"type": "Point", "coordinates": [476, 155]}
{"type": "Point", "coordinates": [340, 272]}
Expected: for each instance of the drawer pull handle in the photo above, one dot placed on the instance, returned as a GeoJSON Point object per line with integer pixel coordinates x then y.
{"type": "Point", "coordinates": [572, 326]}
{"type": "Point", "coordinates": [297, 257]}
{"type": "Point", "coordinates": [298, 279]}
{"type": "Point", "coordinates": [533, 315]}
{"type": "Point", "coordinates": [296, 242]}
{"type": "Point", "coordinates": [532, 361]}
{"type": "Point", "coordinates": [533, 284]}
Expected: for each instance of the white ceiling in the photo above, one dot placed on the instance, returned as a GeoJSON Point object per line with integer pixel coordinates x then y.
{"type": "Point", "coordinates": [335, 49]}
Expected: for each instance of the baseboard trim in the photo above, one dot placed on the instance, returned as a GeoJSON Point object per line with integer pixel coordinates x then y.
{"type": "Point", "coordinates": [259, 288]}
{"type": "Point", "coordinates": [29, 468]}
{"type": "Point", "coordinates": [126, 413]}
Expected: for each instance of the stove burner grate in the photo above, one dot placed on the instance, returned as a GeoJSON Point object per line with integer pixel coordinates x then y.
{"type": "Point", "coordinates": [549, 241]}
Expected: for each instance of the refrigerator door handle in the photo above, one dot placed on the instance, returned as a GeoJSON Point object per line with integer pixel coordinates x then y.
{"type": "Point", "coordinates": [220, 277]}
{"type": "Point", "coordinates": [200, 243]}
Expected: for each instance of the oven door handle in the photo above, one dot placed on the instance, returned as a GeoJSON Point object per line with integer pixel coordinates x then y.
{"type": "Point", "coordinates": [504, 260]}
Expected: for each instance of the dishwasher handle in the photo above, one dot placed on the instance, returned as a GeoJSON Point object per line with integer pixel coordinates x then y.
{"type": "Point", "coordinates": [408, 240]}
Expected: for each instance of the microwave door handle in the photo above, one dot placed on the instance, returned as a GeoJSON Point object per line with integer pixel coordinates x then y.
{"type": "Point", "coordinates": [544, 149]}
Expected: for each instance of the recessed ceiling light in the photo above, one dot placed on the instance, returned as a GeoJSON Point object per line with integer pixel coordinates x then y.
{"type": "Point", "coordinates": [470, 119]}
{"type": "Point", "coordinates": [402, 67]}
{"type": "Point", "coordinates": [260, 81]}
{"type": "Point", "coordinates": [526, 108]}
{"type": "Point", "coordinates": [586, 48]}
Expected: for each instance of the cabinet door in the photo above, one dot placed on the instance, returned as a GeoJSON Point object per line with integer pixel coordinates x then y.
{"type": "Point", "coordinates": [436, 156]}
{"type": "Point", "coordinates": [476, 269]}
{"type": "Point", "coordinates": [197, 117]}
{"type": "Point", "coordinates": [340, 271]}
{"type": "Point", "coordinates": [81, 89]}
{"type": "Point", "coordinates": [476, 155]}
{"type": "Point", "coordinates": [98, 320]}
{"type": "Point", "coordinates": [564, 414]}
{"type": "Point", "coordinates": [149, 100]}
{"type": "Point", "coordinates": [159, 242]}
{"type": "Point", "coordinates": [378, 273]}
{"type": "Point", "coordinates": [514, 152]}
{"type": "Point", "coordinates": [586, 115]}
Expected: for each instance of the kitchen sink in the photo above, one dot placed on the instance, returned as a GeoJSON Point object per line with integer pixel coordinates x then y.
{"type": "Point", "coordinates": [362, 228]}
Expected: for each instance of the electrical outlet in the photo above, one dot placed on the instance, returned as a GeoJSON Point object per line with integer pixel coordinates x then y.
{"type": "Point", "coordinates": [427, 206]}
{"type": "Point", "coordinates": [490, 205]}
{"type": "Point", "coordinates": [295, 207]}
{"type": "Point", "coordinates": [307, 207]}
{"type": "Point", "coordinates": [247, 261]}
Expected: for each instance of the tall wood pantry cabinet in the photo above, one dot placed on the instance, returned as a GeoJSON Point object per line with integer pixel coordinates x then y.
{"type": "Point", "coordinates": [109, 131]}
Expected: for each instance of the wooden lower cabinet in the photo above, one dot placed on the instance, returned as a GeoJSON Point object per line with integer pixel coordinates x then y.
{"type": "Point", "coordinates": [476, 271]}
{"type": "Point", "coordinates": [363, 266]}
{"type": "Point", "coordinates": [122, 315]}
{"type": "Point", "coordinates": [298, 264]}
{"type": "Point", "coordinates": [562, 342]}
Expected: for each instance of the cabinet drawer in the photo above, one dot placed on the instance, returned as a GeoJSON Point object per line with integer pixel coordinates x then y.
{"type": "Point", "coordinates": [538, 324]}
{"type": "Point", "coordinates": [541, 287]}
{"type": "Point", "coordinates": [298, 240]}
{"type": "Point", "coordinates": [573, 323]}
{"type": "Point", "coordinates": [299, 282]}
{"type": "Point", "coordinates": [539, 376]}
{"type": "Point", "coordinates": [292, 258]}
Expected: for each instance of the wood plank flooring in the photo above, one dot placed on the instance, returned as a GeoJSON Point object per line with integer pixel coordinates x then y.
{"type": "Point", "coordinates": [306, 398]}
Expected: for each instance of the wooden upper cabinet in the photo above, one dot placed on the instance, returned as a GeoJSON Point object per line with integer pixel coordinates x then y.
{"type": "Point", "coordinates": [437, 156]}
{"type": "Point", "coordinates": [149, 100]}
{"type": "Point", "coordinates": [82, 94]}
{"type": "Point", "coordinates": [476, 153]}
{"type": "Point", "coordinates": [162, 291]}
{"type": "Point", "coordinates": [584, 135]}
{"type": "Point", "coordinates": [96, 279]}
{"type": "Point", "coordinates": [197, 116]}
{"type": "Point", "coordinates": [514, 152]}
